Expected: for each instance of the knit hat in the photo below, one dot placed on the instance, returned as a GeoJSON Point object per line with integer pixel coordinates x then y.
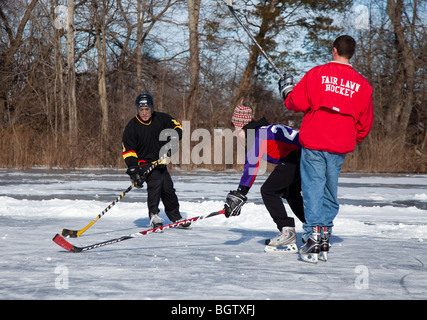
{"type": "Point", "coordinates": [242, 116]}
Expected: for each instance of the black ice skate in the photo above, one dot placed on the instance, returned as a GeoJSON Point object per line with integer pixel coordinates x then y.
{"type": "Point", "coordinates": [310, 250]}
{"type": "Point", "coordinates": [324, 244]}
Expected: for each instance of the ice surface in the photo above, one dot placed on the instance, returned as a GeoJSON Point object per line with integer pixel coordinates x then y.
{"type": "Point", "coordinates": [379, 242]}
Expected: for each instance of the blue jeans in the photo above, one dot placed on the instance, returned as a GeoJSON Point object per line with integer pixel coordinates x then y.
{"type": "Point", "coordinates": [319, 184]}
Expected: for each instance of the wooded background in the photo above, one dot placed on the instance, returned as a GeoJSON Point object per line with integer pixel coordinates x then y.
{"type": "Point", "coordinates": [70, 72]}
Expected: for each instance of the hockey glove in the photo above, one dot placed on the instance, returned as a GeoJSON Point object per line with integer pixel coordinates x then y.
{"type": "Point", "coordinates": [286, 85]}
{"type": "Point", "coordinates": [233, 203]}
{"type": "Point", "coordinates": [137, 176]}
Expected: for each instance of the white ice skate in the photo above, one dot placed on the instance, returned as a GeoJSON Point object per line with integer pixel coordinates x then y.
{"type": "Point", "coordinates": [156, 222]}
{"type": "Point", "coordinates": [185, 226]}
{"type": "Point", "coordinates": [284, 242]}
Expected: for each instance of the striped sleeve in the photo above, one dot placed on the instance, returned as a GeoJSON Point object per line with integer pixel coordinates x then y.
{"type": "Point", "coordinates": [130, 156]}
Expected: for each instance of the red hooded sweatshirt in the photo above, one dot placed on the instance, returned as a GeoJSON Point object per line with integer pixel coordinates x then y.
{"type": "Point", "coordinates": [337, 102]}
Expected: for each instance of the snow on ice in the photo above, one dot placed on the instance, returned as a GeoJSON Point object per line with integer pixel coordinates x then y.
{"type": "Point", "coordinates": [379, 242]}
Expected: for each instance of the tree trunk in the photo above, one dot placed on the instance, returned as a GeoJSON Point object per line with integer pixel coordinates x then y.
{"type": "Point", "coordinates": [245, 82]}
{"type": "Point", "coordinates": [101, 47]}
{"type": "Point", "coordinates": [403, 102]}
{"type": "Point", "coordinates": [141, 5]}
{"type": "Point", "coordinates": [71, 81]}
{"type": "Point", "coordinates": [120, 89]}
{"type": "Point", "coordinates": [192, 103]}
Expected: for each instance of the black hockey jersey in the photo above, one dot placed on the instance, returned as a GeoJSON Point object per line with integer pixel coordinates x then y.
{"type": "Point", "coordinates": [141, 140]}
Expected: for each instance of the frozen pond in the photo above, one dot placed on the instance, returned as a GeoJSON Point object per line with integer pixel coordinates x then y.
{"type": "Point", "coordinates": [379, 242]}
{"type": "Point", "coordinates": [359, 189]}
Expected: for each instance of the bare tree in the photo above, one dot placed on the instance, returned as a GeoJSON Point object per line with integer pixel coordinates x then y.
{"type": "Point", "coordinates": [52, 77]}
{"type": "Point", "coordinates": [404, 25]}
{"type": "Point", "coordinates": [147, 17]}
{"type": "Point", "coordinates": [15, 40]}
{"type": "Point", "coordinates": [270, 18]}
{"type": "Point", "coordinates": [59, 102]}
{"type": "Point", "coordinates": [124, 46]}
{"type": "Point", "coordinates": [141, 9]}
{"type": "Point", "coordinates": [192, 104]}
{"type": "Point", "coordinates": [102, 18]}
{"type": "Point", "coordinates": [71, 72]}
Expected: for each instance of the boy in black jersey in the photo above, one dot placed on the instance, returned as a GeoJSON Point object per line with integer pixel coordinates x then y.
{"type": "Point", "coordinates": [142, 145]}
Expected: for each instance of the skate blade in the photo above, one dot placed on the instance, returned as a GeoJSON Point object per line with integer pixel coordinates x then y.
{"type": "Point", "coordinates": [184, 228]}
{"type": "Point", "coordinates": [291, 248]}
{"type": "Point", "coordinates": [310, 257]}
{"type": "Point", "coordinates": [323, 256]}
{"type": "Point", "coordinates": [158, 230]}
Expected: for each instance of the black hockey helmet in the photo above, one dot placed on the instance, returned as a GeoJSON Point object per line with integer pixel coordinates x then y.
{"type": "Point", "coordinates": [144, 100]}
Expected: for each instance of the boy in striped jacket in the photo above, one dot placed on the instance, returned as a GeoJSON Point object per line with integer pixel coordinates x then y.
{"type": "Point", "coordinates": [277, 144]}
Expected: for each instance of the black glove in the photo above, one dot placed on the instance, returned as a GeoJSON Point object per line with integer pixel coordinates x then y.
{"type": "Point", "coordinates": [286, 85]}
{"type": "Point", "coordinates": [233, 203]}
{"type": "Point", "coordinates": [137, 176]}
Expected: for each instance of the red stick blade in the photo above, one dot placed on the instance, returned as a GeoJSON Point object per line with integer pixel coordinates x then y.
{"type": "Point", "coordinates": [60, 241]}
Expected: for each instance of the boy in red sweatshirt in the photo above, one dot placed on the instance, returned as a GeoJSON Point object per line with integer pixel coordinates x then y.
{"type": "Point", "coordinates": [338, 107]}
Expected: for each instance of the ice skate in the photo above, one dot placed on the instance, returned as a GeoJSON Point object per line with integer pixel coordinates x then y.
{"type": "Point", "coordinates": [186, 225]}
{"type": "Point", "coordinates": [284, 242]}
{"type": "Point", "coordinates": [310, 250]}
{"type": "Point", "coordinates": [324, 244]}
{"type": "Point", "coordinates": [156, 221]}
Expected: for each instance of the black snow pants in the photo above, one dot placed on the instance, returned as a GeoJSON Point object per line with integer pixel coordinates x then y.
{"type": "Point", "coordinates": [284, 182]}
{"type": "Point", "coordinates": [160, 187]}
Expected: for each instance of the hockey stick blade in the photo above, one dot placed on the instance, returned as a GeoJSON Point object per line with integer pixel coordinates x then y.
{"type": "Point", "coordinates": [60, 241]}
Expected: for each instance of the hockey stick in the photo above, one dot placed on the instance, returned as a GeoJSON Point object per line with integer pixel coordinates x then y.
{"type": "Point", "coordinates": [78, 233]}
{"type": "Point", "coordinates": [60, 241]}
{"type": "Point", "coordinates": [230, 7]}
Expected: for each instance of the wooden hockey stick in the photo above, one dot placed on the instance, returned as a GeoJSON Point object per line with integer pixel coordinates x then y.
{"type": "Point", "coordinates": [78, 233]}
